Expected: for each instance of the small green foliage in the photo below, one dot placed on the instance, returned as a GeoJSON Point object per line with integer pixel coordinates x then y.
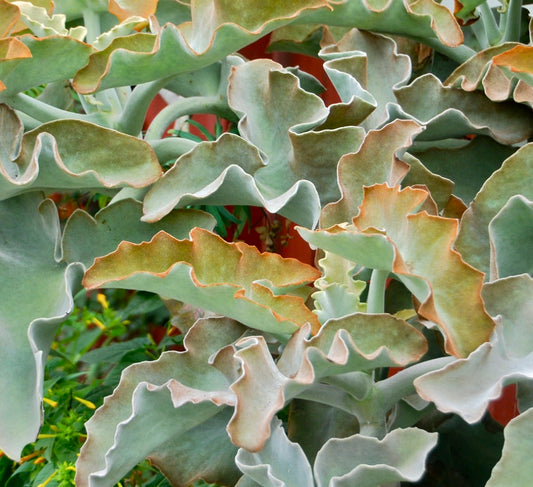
{"type": "Point", "coordinates": [92, 347]}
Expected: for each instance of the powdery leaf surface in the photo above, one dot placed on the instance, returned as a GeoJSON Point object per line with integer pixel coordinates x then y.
{"type": "Point", "coordinates": [71, 154]}
{"type": "Point", "coordinates": [21, 63]}
{"type": "Point", "coordinates": [514, 468]}
{"type": "Point", "coordinates": [483, 71]}
{"type": "Point", "coordinates": [283, 160]}
{"type": "Point", "coordinates": [85, 237]}
{"type": "Point", "coordinates": [467, 386]}
{"type": "Point", "coordinates": [513, 178]}
{"type": "Point", "coordinates": [217, 28]}
{"type": "Point", "coordinates": [367, 461]}
{"type": "Point", "coordinates": [377, 161]}
{"type": "Point", "coordinates": [232, 279]}
{"type": "Point", "coordinates": [448, 112]}
{"type": "Point", "coordinates": [388, 234]}
{"type": "Point", "coordinates": [32, 310]}
{"type": "Point", "coordinates": [177, 405]}
{"type": "Point", "coordinates": [358, 342]}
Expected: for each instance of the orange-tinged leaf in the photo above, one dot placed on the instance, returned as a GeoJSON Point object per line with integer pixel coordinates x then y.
{"type": "Point", "coordinates": [464, 12]}
{"type": "Point", "coordinates": [252, 15]}
{"type": "Point", "coordinates": [216, 30]}
{"type": "Point", "coordinates": [124, 9]}
{"type": "Point", "coordinates": [9, 16]}
{"type": "Point", "coordinates": [391, 233]}
{"type": "Point", "coordinates": [12, 48]}
{"type": "Point", "coordinates": [375, 162]}
{"type": "Point", "coordinates": [19, 25]}
{"type": "Point", "coordinates": [264, 291]}
{"type": "Point", "coordinates": [519, 59]}
{"type": "Point", "coordinates": [423, 248]}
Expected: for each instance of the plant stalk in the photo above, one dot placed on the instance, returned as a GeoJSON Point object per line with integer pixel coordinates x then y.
{"type": "Point", "coordinates": [391, 390]}
{"type": "Point", "coordinates": [376, 291]}
{"type": "Point", "coordinates": [511, 31]}
{"type": "Point", "coordinates": [328, 395]}
{"type": "Point", "coordinates": [459, 54]}
{"type": "Point", "coordinates": [187, 106]}
{"type": "Point", "coordinates": [132, 118]}
{"type": "Point", "coordinates": [91, 20]}
{"type": "Point", "coordinates": [480, 33]}
{"type": "Point", "coordinates": [171, 147]}
{"type": "Point", "coordinates": [490, 25]}
{"type": "Point", "coordinates": [43, 112]}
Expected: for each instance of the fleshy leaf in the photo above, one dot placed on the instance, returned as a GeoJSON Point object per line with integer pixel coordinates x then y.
{"type": "Point", "coordinates": [284, 167]}
{"type": "Point", "coordinates": [518, 60]}
{"type": "Point", "coordinates": [467, 386]}
{"type": "Point", "coordinates": [299, 38]}
{"type": "Point", "coordinates": [62, 55]}
{"type": "Point", "coordinates": [42, 25]}
{"type": "Point", "coordinates": [377, 161]}
{"type": "Point", "coordinates": [70, 154]}
{"type": "Point", "coordinates": [511, 234]}
{"type": "Point", "coordinates": [12, 51]}
{"type": "Point", "coordinates": [468, 164]}
{"type": "Point", "coordinates": [86, 238]}
{"type": "Point", "coordinates": [420, 175]}
{"type": "Point", "coordinates": [176, 404]}
{"type": "Point", "coordinates": [513, 178]}
{"type": "Point", "coordinates": [124, 9]}
{"type": "Point", "coordinates": [366, 461]}
{"type": "Point", "coordinates": [32, 310]}
{"type": "Point", "coordinates": [448, 112]}
{"type": "Point", "coordinates": [126, 27]}
{"type": "Point", "coordinates": [465, 9]}
{"type": "Point", "coordinates": [9, 16]}
{"type": "Point", "coordinates": [270, 103]}
{"type": "Point", "coordinates": [315, 156]}
{"type": "Point", "coordinates": [514, 468]}
{"type": "Point", "coordinates": [422, 19]}
{"type": "Point", "coordinates": [210, 173]}
{"type": "Point", "coordinates": [217, 29]}
{"type": "Point", "coordinates": [387, 235]}
{"type": "Point", "coordinates": [234, 280]}
{"type": "Point", "coordinates": [354, 343]}
{"type": "Point", "coordinates": [339, 291]}
{"type": "Point", "coordinates": [281, 463]}
{"type": "Point", "coordinates": [499, 84]}
{"type": "Point", "coordinates": [313, 423]}
{"type": "Point", "coordinates": [376, 67]}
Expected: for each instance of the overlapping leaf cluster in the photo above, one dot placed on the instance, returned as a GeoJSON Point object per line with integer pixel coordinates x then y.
{"type": "Point", "coordinates": [414, 187]}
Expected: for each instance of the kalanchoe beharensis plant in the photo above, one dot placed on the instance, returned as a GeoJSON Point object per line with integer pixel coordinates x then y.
{"type": "Point", "coordinates": [415, 189]}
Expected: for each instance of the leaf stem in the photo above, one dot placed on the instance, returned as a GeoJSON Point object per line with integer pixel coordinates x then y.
{"type": "Point", "coordinates": [187, 106]}
{"type": "Point", "coordinates": [490, 25]}
{"type": "Point", "coordinates": [459, 54]}
{"type": "Point", "coordinates": [391, 390]}
{"type": "Point", "coordinates": [511, 31]}
{"type": "Point", "coordinates": [171, 147]}
{"type": "Point", "coordinates": [132, 118]}
{"type": "Point", "coordinates": [372, 412]}
{"type": "Point", "coordinates": [328, 395]}
{"type": "Point", "coordinates": [376, 291]}
{"type": "Point", "coordinates": [480, 33]}
{"type": "Point", "coordinates": [91, 20]}
{"type": "Point", "coordinates": [43, 112]}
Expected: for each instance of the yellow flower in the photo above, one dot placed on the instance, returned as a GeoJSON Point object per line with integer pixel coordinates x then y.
{"type": "Point", "coordinates": [102, 299]}
{"type": "Point", "coordinates": [86, 403]}
{"type": "Point", "coordinates": [50, 402]}
{"type": "Point", "coordinates": [97, 322]}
